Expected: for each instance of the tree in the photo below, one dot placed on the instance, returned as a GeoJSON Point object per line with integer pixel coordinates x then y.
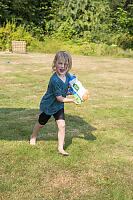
{"type": "Point", "coordinates": [82, 18]}
{"type": "Point", "coordinates": [5, 13]}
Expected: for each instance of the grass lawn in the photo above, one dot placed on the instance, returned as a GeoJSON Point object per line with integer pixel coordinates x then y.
{"type": "Point", "coordinates": [99, 133]}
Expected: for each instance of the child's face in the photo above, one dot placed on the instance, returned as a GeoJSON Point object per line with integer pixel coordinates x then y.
{"type": "Point", "coordinates": [61, 67]}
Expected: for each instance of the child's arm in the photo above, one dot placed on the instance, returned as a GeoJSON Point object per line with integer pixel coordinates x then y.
{"type": "Point", "coordinates": [66, 100]}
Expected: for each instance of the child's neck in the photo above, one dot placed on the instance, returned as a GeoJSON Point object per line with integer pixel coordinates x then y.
{"type": "Point", "coordinates": [62, 77]}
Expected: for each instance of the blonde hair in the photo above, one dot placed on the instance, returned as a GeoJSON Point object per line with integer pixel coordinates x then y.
{"type": "Point", "coordinates": [62, 55]}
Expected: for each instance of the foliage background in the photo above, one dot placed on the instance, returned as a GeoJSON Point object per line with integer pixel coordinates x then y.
{"type": "Point", "coordinates": [82, 22]}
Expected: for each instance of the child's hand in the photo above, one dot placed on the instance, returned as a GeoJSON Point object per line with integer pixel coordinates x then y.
{"type": "Point", "coordinates": [75, 101]}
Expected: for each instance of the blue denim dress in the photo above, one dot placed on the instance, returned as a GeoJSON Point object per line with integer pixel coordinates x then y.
{"type": "Point", "coordinates": [56, 87]}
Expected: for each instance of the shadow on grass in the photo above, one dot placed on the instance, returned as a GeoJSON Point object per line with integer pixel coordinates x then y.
{"type": "Point", "coordinates": [17, 124]}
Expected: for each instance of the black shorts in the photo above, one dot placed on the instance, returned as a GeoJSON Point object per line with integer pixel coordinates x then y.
{"type": "Point", "coordinates": [43, 118]}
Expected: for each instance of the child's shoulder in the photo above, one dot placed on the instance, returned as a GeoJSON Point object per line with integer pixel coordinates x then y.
{"type": "Point", "coordinates": [54, 78]}
{"type": "Point", "coordinates": [68, 75]}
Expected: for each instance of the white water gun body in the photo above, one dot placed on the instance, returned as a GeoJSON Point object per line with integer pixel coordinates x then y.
{"type": "Point", "coordinates": [77, 89]}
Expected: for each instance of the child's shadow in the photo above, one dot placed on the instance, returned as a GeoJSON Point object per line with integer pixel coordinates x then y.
{"type": "Point", "coordinates": [15, 126]}
{"type": "Point", "coordinates": [76, 127]}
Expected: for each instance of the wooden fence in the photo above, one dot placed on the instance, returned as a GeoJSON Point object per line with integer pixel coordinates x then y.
{"type": "Point", "coordinates": [18, 46]}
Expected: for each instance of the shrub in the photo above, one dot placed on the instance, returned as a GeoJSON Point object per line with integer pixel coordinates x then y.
{"type": "Point", "coordinates": [10, 32]}
{"type": "Point", "coordinates": [125, 41]}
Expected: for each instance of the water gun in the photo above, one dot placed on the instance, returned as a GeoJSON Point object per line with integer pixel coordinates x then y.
{"type": "Point", "coordinates": [77, 90]}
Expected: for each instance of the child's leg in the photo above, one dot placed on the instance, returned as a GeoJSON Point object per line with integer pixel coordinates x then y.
{"type": "Point", "coordinates": [61, 135]}
{"type": "Point", "coordinates": [36, 129]}
{"type": "Point", "coordinates": [43, 119]}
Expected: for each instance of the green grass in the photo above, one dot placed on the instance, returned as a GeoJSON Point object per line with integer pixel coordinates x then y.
{"type": "Point", "coordinates": [99, 133]}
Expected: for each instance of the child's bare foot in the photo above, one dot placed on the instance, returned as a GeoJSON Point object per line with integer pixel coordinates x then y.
{"type": "Point", "coordinates": [64, 153]}
{"type": "Point", "coordinates": [32, 141]}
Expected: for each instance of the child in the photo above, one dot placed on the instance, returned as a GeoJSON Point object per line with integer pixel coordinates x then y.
{"type": "Point", "coordinates": [53, 101]}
